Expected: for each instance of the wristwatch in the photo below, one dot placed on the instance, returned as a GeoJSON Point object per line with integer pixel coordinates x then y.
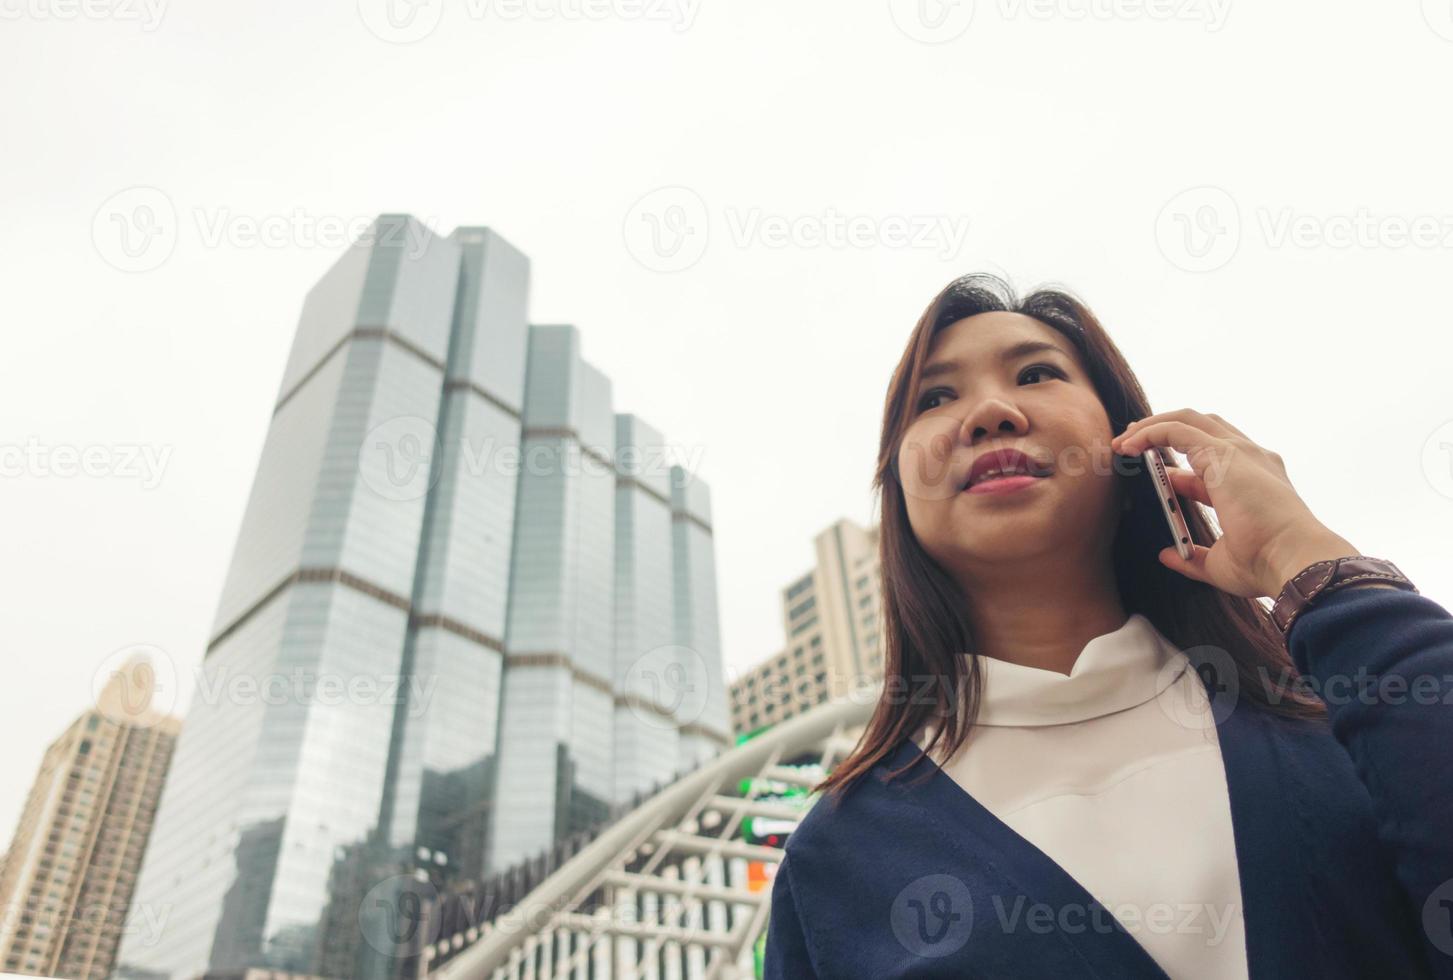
{"type": "Point", "coordinates": [1320, 578]}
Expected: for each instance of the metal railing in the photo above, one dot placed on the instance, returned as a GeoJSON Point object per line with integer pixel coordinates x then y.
{"type": "Point", "coordinates": [669, 890]}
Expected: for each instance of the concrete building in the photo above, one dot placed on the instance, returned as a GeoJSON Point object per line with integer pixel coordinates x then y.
{"type": "Point", "coordinates": [830, 616]}
{"type": "Point", "coordinates": [67, 882]}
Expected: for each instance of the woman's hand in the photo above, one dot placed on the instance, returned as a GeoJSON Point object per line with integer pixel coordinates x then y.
{"type": "Point", "coordinates": [1268, 532]}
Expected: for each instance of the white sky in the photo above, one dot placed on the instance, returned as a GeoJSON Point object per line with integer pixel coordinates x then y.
{"type": "Point", "coordinates": [1060, 139]}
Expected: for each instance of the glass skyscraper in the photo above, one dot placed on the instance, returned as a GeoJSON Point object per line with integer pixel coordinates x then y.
{"type": "Point", "coordinates": [469, 608]}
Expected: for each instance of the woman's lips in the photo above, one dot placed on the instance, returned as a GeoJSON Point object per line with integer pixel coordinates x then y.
{"type": "Point", "coordinates": [1005, 484]}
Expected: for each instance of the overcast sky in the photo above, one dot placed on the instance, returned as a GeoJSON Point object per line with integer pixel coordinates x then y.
{"type": "Point", "coordinates": [1253, 197]}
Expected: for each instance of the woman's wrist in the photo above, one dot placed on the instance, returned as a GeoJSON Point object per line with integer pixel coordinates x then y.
{"type": "Point", "coordinates": [1303, 550]}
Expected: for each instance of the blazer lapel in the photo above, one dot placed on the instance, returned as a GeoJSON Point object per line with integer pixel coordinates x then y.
{"type": "Point", "coordinates": [1264, 811]}
{"type": "Point", "coordinates": [1267, 817]}
{"type": "Point", "coordinates": [1040, 886]}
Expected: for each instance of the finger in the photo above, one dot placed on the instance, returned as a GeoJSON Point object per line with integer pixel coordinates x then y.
{"type": "Point", "coordinates": [1213, 424]}
{"type": "Point", "coordinates": [1195, 568]}
{"type": "Point", "coordinates": [1230, 428]}
{"type": "Point", "coordinates": [1187, 484]}
{"type": "Point", "coordinates": [1196, 443]}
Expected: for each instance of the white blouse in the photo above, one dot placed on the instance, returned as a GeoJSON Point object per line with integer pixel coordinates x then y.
{"type": "Point", "coordinates": [1114, 771]}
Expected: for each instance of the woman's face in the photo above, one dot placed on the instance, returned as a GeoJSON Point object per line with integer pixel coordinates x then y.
{"type": "Point", "coordinates": [977, 395]}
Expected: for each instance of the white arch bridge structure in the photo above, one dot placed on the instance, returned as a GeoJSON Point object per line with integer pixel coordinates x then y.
{"type": "Point", "coordinates": [677, 889]}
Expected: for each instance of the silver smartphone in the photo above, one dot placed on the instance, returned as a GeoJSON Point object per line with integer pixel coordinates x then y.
{"type": "Point", "coordinates": [1166, 494]}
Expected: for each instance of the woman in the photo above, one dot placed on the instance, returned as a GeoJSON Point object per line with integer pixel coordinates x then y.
{"type": "Point", "coordinates": [1125, 765]}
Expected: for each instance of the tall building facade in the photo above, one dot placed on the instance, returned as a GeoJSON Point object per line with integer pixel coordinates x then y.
{"type": "Point", "coordinates": [831, 616]}
{"type": "Point", "coordinates": [432, 542]}
{"type": "Point", "coordinates": [66, 885]}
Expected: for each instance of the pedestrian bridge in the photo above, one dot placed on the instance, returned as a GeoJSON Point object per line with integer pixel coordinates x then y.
{"type": "Point", "coordinates": [677, 889]}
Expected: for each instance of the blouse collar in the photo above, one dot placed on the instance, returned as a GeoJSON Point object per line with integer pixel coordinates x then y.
{"type": "Point", "coordinates": [1116, 670]}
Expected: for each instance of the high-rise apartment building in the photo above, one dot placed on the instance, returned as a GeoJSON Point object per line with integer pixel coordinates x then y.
{"type": "Point", "coordinates": [487, 598]}
{"type": "Point", "coordinates": [67, 883]}
{"type": "Point", "coordinates": [831, 618]}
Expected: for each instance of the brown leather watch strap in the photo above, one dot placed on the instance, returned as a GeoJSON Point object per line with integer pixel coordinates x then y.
{"type": "Point", "coordinates": [1322, 577]}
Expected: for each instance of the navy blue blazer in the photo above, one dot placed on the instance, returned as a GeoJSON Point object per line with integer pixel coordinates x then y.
{"type": "Point", "coordinates": [1343, 830]}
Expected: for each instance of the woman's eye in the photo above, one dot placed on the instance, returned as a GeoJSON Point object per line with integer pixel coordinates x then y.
{"type": "Point", "coordinates": [924, 403]}
{"type": "Point", "coordinates": [1036, 368]}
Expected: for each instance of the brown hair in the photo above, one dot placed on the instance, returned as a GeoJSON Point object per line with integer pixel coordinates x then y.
{"type": "Point", "coordinates": [924, 616]}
